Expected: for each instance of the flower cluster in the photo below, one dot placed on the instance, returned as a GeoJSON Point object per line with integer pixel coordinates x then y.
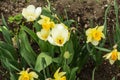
{"type": "Point", "coordinates": [26, 75]}
{"type": "Point", "coordinates": [49, 29]}
{"type": "Point", "coordinates": [94, 35]}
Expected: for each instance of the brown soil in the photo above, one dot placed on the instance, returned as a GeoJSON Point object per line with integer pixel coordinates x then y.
{"type": "Point", "coordinates": [81, 11]}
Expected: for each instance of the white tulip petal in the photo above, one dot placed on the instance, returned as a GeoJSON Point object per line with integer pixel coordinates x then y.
{"type": "Point", "coordinates": [38, 11]}
{"type": "Point", "coordinates": [50, 40]}
{"type": "Point", "coordinates": [31, 8]}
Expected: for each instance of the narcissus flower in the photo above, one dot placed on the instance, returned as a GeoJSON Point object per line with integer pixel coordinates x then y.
{"type": "Point", "coordinates": [30, 13]}
{"type": "Point", "coordinates": [94, 35]}
{"type": "Point", "coordinates": [59, 75]}
{"type": "Point", "coordinates": [26, 75]}
{"type": "Point", "coordinates": [112, 56]}
{"type": "Point", "coordinates": [59, 35]}
{"type": "Point", "coordinates": [43, 34]}
{"type": "Point", "coordinates": [46, 23]}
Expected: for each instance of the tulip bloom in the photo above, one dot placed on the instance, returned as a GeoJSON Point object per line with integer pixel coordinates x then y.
{"type": "Point", "coordinates": [112, 56]}
{"type": "Point", "coordinates": [26, 75]}
{"type": "Point", "coordinates": [94, 35]}
{"type": "Point", "coordinates": [30, 13]}
{"type": "Point", "coordinates": [59, 35]}
{"type": "Point", "coordinates": [43, 34]}
{"type": "Point", "coordinates": [46, 23]}
{"type": "Point", "coordinates": [59, 75]}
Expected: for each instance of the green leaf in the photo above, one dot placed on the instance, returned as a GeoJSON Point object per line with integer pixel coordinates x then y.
{"type": "Point", "coordinates": [113, 78]}
{"type": "Point", "coordinates": [103, 49]}
{"type": "Point", "coordinates": [42, 44]}
{"type": "Point", "coordinates": [6, 53]}
{"type": "Point", "coordinates": [3, 21]}
{"type": "Point", "coordinates": [73, 73]}
{"type": "Point", "coordinates": [68, 22]}
{"type": "Point", "coordinates": [12, 76]}
{"type": "Point", "coordinates": [93, 73]}
{"type": "Point", "coordinates": [9, 48]}
{"type": "Point", "coordinates": [68, 47]}
{"type": "Point", "coordinates": [6, 34]}
{"type": "Point", "coordinates": [39, 63]}
{"type": "Point", "coordinates": [26, 50]}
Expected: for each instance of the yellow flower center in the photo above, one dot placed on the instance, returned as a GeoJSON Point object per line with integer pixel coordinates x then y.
{"type": "Point", "coordinates": [46, 26]}
{"type": "Point", "coordinates": [63, 78]}
{"type": "Point", "coordinates": [59, 40]}
{"type": "Point", "coordinates": [44, 36]}
{"type": "Point", "coordinates": [25, 78]}
{"type": "Point", "coordinates": [114, 55]}
{"type": "Point", "coordinates": [97, 35]}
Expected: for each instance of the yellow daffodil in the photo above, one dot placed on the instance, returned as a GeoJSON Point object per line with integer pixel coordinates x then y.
{"type": "Point", "coordinates": [46, 23]}
{"type": "Point", "coordinates": [59, 75]}
{"type": "Point", "coordinates": [43, 34]}
{"type": "Point", "coordinates": [26, 75]}
{"type": "Point", "coordinates": [30, 13]}
{"type": "Point", "coordinates": [59, 35]}
{"type": "Point", "coordinates": [94, 35]}
{"type": "Point", "coordinates": [112, 56]}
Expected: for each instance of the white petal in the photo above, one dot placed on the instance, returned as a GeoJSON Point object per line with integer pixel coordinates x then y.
{"type": "Point", "coordinates": [24, 12]}
{"type": "Point", "coordinates": [38, 11]}
{"type": "Point", "coordinates": [33, 75]}
{"type": "Point", "coordinates": [118, 55]}
{"type": "Point", "coordinates": [89, 39]}
{"type": "Point", "coordinates": [103, 36]}
{"type": "Point", "coordinates": [88, 32]}
{"type": "Point", "coordinates": [43, 34]}
{"type": "Point", "coordinates": [50, 40]}
{"type": "Point", "coordinates": [100, 28]}
{"type": "Point", "coordinates": [31, 8]}
{"type": "Point", "coordinates": [107, 56]}
{"type": "Point", "coordinates": [111, 61]}
{"type": "Point", "coordinates": [95, 42]}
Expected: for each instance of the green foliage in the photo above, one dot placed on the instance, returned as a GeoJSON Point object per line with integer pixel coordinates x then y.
{"type": "Point", "coordinates": [45, 58]}
{"type": "Point", "coordinates": [17, 19]}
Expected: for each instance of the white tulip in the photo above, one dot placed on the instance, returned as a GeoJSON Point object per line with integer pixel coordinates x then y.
{"type": "Point", "coordinates": [59, 35]}
{"type": "Point", "coordinates": [30, 13]}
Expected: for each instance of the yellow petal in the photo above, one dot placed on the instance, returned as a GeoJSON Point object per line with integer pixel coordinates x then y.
{"type": "Point", "coordinates": [111, 61]}
{"type": "Point", "coordinates": [118, 55]}
{"type": "Point", "coordinates": [43, 34]}
{"type": "Point", "coordinates": [56, 75]}
{"type": "Point", "coordinates": [62, 74]}
{"type": "Point", "coordinates": [100, 28]}
{"type": "Point", "coordinates": [107, 56]}
{"type": "Point", "coordinates": [103, 36]}
{"type": "Point", "coordinates": [33, 75]}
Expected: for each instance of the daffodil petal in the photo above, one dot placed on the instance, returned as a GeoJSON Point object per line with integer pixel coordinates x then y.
{"type": "Point", "coordinates": [111, 61]}
{"type": "Point", "coordinates": [103, 36]}
{"type": "Point", "coordinates": [118, 55]}
{"type": "Point", "coordinates": [107, 56]}
{"type": "Point", "coordinates": [62, 74]}
{"type": "Point", "coordinates": [56, 73]}
{"type": "Point", "coordinates": [95, 42]}
{"type": "Point", "coordinates": [100, 28]}
{"type": "Point", "coordinates": [33, 75]}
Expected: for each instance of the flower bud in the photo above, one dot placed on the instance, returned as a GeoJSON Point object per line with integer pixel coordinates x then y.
{"type": "Point", "coordinates": [66, 55]}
